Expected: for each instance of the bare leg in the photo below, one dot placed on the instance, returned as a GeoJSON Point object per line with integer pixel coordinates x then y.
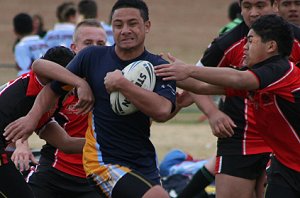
{"type": "Point", "coordinates": [234, 187]}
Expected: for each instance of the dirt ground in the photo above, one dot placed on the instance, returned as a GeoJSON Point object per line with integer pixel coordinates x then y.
{"type": "Point", "coordinates": [183, 28]}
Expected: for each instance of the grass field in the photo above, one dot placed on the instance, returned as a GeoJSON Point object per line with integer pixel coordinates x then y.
{"type": "Point", "coordinates": [183, 131]}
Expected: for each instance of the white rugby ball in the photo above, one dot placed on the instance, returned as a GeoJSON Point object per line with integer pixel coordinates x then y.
{"type": "Point", "coordinates": [140, 73]}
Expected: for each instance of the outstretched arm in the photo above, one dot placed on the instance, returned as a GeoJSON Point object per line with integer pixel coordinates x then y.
{"type": "Point", "coordinates": [225, 77]}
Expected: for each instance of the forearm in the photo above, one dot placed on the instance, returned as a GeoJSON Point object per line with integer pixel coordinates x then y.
{"type": "Point", "coordinates": [54, 71]}
{"type": "Point", "coordinates": [45, 101]}
{"type": "Point", "coordinates": [150, 103]}
{"type": "Point", "coordinates": [225, 77]}
{"type": "Point", "coordinates": [198, 87]}
{"type": "Point", "coordinates": [205, 104]}
{"type": "Point", "coordinates": [58, 137]}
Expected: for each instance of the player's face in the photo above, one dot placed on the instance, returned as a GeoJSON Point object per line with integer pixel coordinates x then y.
{"type": "Point", "coordinates": [88, 36]}
{"type": "Point", "coordinates": [129, 29]}
{"type": "Point", "coordinates": [290, 11]}
{"type": "Point", "coordinates": [253, 9]}
{"type": "Point", "coordinates": [255, 50]}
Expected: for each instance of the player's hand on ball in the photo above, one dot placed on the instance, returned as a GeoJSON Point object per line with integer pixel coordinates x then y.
{"type": "Point", "coordinates": [112, 80]}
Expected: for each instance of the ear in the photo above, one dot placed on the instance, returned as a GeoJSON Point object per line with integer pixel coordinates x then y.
{"type": "Point", "coordinates": [272, 46]}
{"type": "Point", "coordinates": [147, 26]}
{"type": "Point", "coordinates": [73, 47]}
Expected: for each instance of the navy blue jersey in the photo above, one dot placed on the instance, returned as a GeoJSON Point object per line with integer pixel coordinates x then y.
{"type": "Point", "coordinates": [122, 140]}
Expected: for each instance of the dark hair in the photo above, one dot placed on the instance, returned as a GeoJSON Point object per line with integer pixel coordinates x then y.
{"type": "Point", "coordinates": [65, 11]}
{"type": "Point", "coordinates": [273, 27]}
{"type": "Point", "coordinates": [60, 55]}
{"type": "Point", "coordinates": [138, 4]}
{"type": "Point", "coordinates": [272, 1]}
{"type": "Point", "coordinates": [234, 10]}
{"type": "Point", "coordinates": [23, 24]}
{"type": "Point", "coordinates": [88, 8]}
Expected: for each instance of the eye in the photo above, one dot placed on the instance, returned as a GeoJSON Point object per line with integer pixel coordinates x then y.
{"type": "Point", "coordinates": [87, 43]}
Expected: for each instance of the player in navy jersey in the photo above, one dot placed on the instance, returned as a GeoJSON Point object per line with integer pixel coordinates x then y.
{"type": "Point", "coordinates": [119, 159]}
{"type": "Point", "coordinates": [273, 88]}
{"type": "Point", "coordinates": [16, 99]}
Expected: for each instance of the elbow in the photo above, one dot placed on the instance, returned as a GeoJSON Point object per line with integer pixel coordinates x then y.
{"type": "Point", "coordinates": [162, 115]}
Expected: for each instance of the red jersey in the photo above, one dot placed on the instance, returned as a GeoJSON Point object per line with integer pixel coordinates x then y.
{"type": "Point", "coordinates": [276, 106]}
{"type": "Point", "coordinates": [227, 51]}
{"type": "Point", "coordinates": [75, 127]}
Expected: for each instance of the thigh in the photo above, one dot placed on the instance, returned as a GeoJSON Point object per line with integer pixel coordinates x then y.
{"type": "Point", "coordinates": [228, 186]}
{"type": "Point", "coordinates": [132, 185]}
{"type": "Point", "coordinates": [12, 183]}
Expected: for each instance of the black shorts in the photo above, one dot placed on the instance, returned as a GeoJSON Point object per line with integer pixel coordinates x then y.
{"type": "Point", "coordinates": [12, 183]}
{"type": "Point", "coordinates": [49, 182]}
{"type": "Point", "coordinates": [131, 185]}
{"type": "Point", "coordinates": [282, 181]}
{"type": "Point", "coordinates": [244, 166]}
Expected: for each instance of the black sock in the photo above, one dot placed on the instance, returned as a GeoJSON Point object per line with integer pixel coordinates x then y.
{"type": "Point", "coordinates": [200, 180]}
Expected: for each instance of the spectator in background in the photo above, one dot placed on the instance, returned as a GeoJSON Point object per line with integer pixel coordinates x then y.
{"type": "Point", "coordinates": [30, 47]}
{"type": "Point", "coordinates": [234, 15]}
{"type": "Point", "coordinates": [38, 25]}
{"type": "Point", "coordinates": [290, 11]}
{"type": "Point", "coordinates": [62, 33]}
{"type": "Point", "coordinates": [88, 9]}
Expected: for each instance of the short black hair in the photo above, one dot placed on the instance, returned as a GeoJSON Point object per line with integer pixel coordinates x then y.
{"type": "Point", "coordinates": [88, 8]}
{"type": "Point", "coordinates": [23, 24]}
{"type": "Point", "coordinates": [274, 27]}
{"type": "Point", "coordinates": [234, 10]}
{"type": "Point", "coordinates": [65, 11]}
{"type": "Point", "coordinates": [60, 55]}
{"type": "Point", "coordinates": [138, 4]}
{"type": "Point", "coordinates": [272, 1]}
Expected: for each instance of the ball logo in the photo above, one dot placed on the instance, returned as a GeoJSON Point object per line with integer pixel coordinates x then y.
{"type": "Point", "coordinates": [141, 73]}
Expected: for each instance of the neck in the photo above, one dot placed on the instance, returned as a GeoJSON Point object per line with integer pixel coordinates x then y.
{"type": "Point", "coordinates": [129, 54]}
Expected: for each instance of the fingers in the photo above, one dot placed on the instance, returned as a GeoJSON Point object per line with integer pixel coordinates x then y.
{"type": "Point", "coordinates": [84, 107]}
{"type": "Point", "coordinates": [33, 160]}
{"type": "Point", "coordinates": [10, 131]}
{"type": "Point", "coordinates": [171, 58]}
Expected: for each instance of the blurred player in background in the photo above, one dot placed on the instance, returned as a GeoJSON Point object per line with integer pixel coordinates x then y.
{"type": "Point", "coordinates": [62, 33]}
{"type": "Point", "coordinates": [30, 47]}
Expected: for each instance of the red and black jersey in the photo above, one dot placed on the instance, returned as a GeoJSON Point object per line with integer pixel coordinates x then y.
{"type": "Point", "coordinates": [16, 99]}
{"type": "Point", "coordinates": [276, 106]}
{"type": "Point", "coordinates": [227, 51]}
{"type": "Point", "coordinates": [75, 125]}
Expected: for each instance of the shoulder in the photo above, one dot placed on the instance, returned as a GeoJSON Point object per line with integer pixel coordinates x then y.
{"type": "Point", "coordinates": [155, 59]}
{"type": "Point", "coordinates": [296, 31]}
{"type": "Point", "coordinates": [231, 37]}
